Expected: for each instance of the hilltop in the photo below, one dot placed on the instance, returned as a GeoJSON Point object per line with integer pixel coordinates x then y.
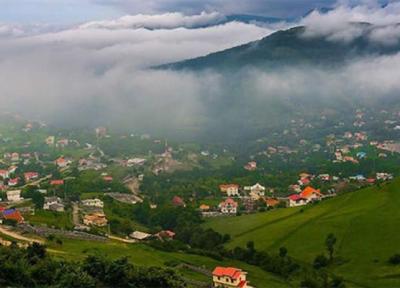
{"type": "Point", "coordinates": [365, 223]}
{"type": "Point", "coordinates": [291, 47]}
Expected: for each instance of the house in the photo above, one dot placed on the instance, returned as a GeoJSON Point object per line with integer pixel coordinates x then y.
{"type": "Point", "coordinates": [57, 182]}
{"type": "Point", "coordinates": [12, 169]}
{"type": "Point", "coordinates": [304, 181]}
{"type": "Point", "coordinates": [93, 203]}
{"type": "Point", "coordinates": [53, 204]}
{"type": "Point", "coordinates": [50, 140]}
{"type": "Point", "coordinates": [166, 234]}
{"type": "Point", "coordinates": [30, 176]}
{"type": "Point", "coordinates": [384, 176]}
{"type": "Point", "coordinates": [13, 214]}
{"type": "Point", "coordinates": [4, 174]}
{"type": "Point", "coordinates": [229, 277]}
{"type": "Point", "coordinates": [135, 162]}
{"type": "Point", "coordinates": [14, 195]}
{"type": "Point", "coordinates": [140, 236]}
{"type": "Point", "coordinates": [229, 206]}
{"type": "Point", "coordinates": [178, 202]}
{"type": "Point", "coordinates": [14, 157]}
{"type": "Point", "coordinates": [251, 166]}
{"type": "Point", "coordinates": [361, 155]}
{"type": "Point", "coordinates": [108, 178]}
{"type": "Point", "coordinates": [324, 177]}
{"type": "Point", "coordinates": [231, 190]}
{"type": "Point", "coordinates": [272, 202]}
{"type": "Point", "coordinates": [62, 162]}
{"type": "Point", "coordinates": [256, 191]}
{"type": "Point", "coordinates": [95, 219]}
{"type": "Point", "coordinates": [310, 194]}
{"type": "Point", "coordinates": [204, 207]}
{"type": "Point", "coordinates": [13, 182]}
{"type": "Point", "coordinates": [295, 200]}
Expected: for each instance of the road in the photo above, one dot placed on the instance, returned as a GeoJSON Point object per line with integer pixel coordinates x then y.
{"type": "Point", "coordinates": [17, 236]}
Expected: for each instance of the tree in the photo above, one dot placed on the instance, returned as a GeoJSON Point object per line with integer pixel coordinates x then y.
{"type": "Point", "coordinates": [330, 245]}
{"type": "Point", "coordinates": [283, 252]}
{"type": "Point", "coordinates": [320, 262]}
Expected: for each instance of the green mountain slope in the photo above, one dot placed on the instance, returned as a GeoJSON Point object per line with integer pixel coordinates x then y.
{"type": "Point", "coordinates": [290, 47]}
{"type": "Point", "coordinates": [365, 222]}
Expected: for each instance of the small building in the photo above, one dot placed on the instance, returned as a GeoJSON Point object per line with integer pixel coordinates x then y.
{"type": "Point", "coordinates": [13, 214]}
{"type": "Point", "coordinates": [166, 234]}
{"type": "Point", "coordinates": [14, 195]}
{"type": "Point", "coordinates": [178, 202]}
{"type": "Point", "coordinates": [256, 191]}
{"type": "Point", "coordinates": [4, 174]}
{"type": "Point", "coordinates": [140, 236]}
{"type": "Point", "coordinates": [229, 206]}
{"type": "Point", "coordinates": [93, 203]}
{"type": "Point", "coordinates": [14, 157]}
{"type": "Point", "coordinates": [95, 219]}
{"type": "Point", "coordinates": [231, 190]}
{"type": "Point", "coordinates": [108, 178]}
{"type": "Point", "coordinates": [204, 207]}
{"type": "Point", "coordinates": [311, 194]}
{"type": "Point", "coordinates": [272, 202]}
{"type": "Point", "coordinates": [229, 277]}
{"type": "Point", "coordinates": [295, 200]}
{"type": "Point", "coordinates": [62, 162]}
{"type": "Point", "coordinates": [251, 166]}
{"type": "Point", "coordinates": [53, 204]}
{"type": "Point", "coordinates": [57, 182]}
{"type": "Point", "coordinates": [30, 176]}
{"type": "Point", "coordinates": [13, 182]}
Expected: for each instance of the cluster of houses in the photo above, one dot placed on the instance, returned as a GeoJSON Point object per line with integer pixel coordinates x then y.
{"type": "Point", "coordinates": [93, 212]}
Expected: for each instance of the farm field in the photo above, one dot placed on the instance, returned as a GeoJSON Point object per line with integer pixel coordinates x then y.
{"type": "Point", "coordinates": [365, 223]}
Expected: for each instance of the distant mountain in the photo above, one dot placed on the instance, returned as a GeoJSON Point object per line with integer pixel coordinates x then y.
{"type": "Point", "coordinates": [290, 47]}
{"type": "Point", "coordinates": [253, 19]}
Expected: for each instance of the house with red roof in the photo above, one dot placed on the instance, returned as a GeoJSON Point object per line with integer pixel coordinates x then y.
{"type": "Point", "coordinates": [62, 162]}
{"type": "Point", "coordinates": [311, 194]}
{"type": "Point", "coordinates": [57, 182]}
{"type": "Point", "coordinates": [12, 214]}
{"type": "Point", "coordinates": [229, 206]}
{"type": "Point", "coordinates": [30, 176]}
{"type": "Point", "coordinates": [229, 277]}
{"type": "Point", "coordinates": [4, 174]}
{"type": "Point", "coordinates": [229, 189]}
{"type": "Point", "coordinates": [295, 200]}
{"type": "Point", "coordinates": [251, 166]}
{"type": "Point", "coordinates": [178, 202]}
{"type": "Point", "coordinates": [108, 178]}
{"type": "Point", "coordinates": [13, 182]}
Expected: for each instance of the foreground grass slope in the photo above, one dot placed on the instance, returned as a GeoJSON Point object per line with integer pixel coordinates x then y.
{"type": "Point", "coordinates": [365, 222]}
{"type": "Point", "coordinates": [144, 255]}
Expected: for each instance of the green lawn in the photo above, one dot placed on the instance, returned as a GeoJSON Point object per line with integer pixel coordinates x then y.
{"type": "Point", "coordinates": [365, 222]}
{"type": "Point", "coordinates": [50, 218]}
{"type": "Point", "coordinates": [144, 255]}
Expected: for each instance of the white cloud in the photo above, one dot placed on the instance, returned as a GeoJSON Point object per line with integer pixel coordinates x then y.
{"type": "Point", "coordinates": [160, 21]}
{"type": "Point", "coordinates": [338, 24]}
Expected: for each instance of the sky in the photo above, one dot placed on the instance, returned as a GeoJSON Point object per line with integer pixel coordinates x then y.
{"type": "Point", "coordinates": [64, 12]}
{"type": "Point", "coordinates": [96, 68]}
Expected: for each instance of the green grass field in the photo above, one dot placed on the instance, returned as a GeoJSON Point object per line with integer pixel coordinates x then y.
{"type": "Point", "coordinates": [365, 222]}
{"type": "Point", "coordinates": [143, 255]}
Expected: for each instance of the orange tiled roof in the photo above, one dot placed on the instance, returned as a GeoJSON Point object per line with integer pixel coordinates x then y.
{"type": "Point", "coordinates": [308, 191]}
{"type": "Point", "coordinates": [231, 272]}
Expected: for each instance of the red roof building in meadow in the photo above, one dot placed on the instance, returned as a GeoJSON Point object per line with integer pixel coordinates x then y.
{"type": "Point", "coordinates": [57, 182]}
{"type": "Point", "coordinates": [229, 277]}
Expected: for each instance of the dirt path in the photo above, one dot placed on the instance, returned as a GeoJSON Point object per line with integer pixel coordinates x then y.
{"type": "Point", "coordinates": [17, 236]}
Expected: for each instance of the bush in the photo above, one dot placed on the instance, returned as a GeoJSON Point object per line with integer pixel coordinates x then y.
{"type": "Point", "coordinates": [395, 259]}
{"type": "Point", "coordinates": [320, 261]}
